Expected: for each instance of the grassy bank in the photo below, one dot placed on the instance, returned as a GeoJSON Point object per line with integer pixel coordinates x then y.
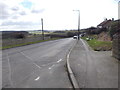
{"type": "Point", "coordinates": [99, 45]}
{"type": "Point", "coordinates": [23, 44]}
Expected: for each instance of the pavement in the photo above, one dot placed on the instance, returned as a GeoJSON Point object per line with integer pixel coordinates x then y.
{"type": "Point", "coordinates": [40, 65]}
{"type": "Point", "coordinates": [93, 69]}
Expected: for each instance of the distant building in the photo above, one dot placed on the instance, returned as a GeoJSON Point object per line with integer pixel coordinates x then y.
{"type": "Point", "coordinates": [106, 24]}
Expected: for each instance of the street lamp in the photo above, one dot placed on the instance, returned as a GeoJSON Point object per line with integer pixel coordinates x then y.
{"type": "Point", "coordinates": [78, 22]}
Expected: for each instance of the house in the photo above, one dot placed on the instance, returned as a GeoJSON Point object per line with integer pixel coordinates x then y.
{"type": "Point", "coordinates": [106, 24]}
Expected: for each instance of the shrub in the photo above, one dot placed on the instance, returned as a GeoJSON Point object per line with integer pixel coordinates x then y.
{"type": "Point", "coordinates": [19, 35]}
{"type": "Point", "coordinates": [115, 27]}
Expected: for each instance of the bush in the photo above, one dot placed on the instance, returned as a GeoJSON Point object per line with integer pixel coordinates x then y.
{"type": "Point", "coordinates": [19, 36]}
{"type": "Point", "coordinates": [115, 27]}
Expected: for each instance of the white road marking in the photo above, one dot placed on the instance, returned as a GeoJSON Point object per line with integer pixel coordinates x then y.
{"type": "Point", "coordinates": [37, 78]}
{"type": "Point", "coordinates": [30, 59]}
{"type": "Point", "coordinates": [54, 64]}
{"type": "Point", "coordinates": [51, 67]}
{"type": "Point", "coordinates": [59, 60]}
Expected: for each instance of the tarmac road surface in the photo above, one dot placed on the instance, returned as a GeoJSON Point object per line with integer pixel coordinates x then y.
{"type": "Point", "coordinates": [40, 65]}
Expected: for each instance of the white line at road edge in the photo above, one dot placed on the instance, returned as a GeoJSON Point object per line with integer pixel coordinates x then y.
{"type": "Point", "coordinates": [30, 59]}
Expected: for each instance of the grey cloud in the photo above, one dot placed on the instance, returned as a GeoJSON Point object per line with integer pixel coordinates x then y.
{"type": "Point", "coordinates": [38, 11]}
{"type": "Point", "coordinates": [3, 11]}
{"type": "Point", "coordinates": [15, 17]}
{"type": "Point", "coordinates": [15, 8]}
{"type": "Point", "coordinates": [16, 23]}
{"type": "Point", "coordinates": [22, 13]}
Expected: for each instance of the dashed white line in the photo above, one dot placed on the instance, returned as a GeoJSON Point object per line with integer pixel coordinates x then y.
{"type": "Point", "coordinates": [37, 78]}
{"type": "Point", "coordinates": [30, 59]}
{"type": "Point", "coordinates": [51, 67]}
{"type": "Point", "coordinates": [59, 60]}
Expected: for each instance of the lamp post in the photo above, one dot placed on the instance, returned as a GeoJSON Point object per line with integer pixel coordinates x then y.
{"type": "Point", "coordinates": [78, 23]}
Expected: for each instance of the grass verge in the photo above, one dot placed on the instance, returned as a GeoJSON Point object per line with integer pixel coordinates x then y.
{"type": "Point", "coordinates": [28, 43]}
{"type": "Point", "coordinates": [99, 45]}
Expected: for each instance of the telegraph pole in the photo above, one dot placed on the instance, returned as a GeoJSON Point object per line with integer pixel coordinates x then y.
{"type": "Point", "coordinates": [42, 28]}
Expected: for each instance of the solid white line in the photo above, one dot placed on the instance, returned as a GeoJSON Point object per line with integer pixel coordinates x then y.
{"type": "Point", "coordinates": [30, 59]}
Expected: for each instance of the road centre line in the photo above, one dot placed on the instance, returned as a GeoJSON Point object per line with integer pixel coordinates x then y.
{"type": "Point", "coordinates": [51, 67]}
{"type": "Point", "coordinates": [52, 63]}
{"type": "Point", "coordinates": [59, 60]}
{"type": "Point", "coordinates": [44, 64]}
{"type": "Point", "coordinates": [30, 59]}
{"type": "Point", "coordinates": [37, 78]}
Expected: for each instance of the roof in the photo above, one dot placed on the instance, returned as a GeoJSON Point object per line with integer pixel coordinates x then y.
{"type": "Point", "coordinates": [105, 23]}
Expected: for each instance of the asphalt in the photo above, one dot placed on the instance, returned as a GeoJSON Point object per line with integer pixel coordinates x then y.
{"type": "Point", "coordinates": [93, 69]}
{"type": "Point", "coordinates": [40, 65]}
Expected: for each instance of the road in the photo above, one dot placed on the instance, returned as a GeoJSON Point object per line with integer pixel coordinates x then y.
{"type": "Point", "coordinates": [40, 65]}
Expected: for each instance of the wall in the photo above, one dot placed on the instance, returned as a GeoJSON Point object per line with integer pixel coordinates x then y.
{"type": "Point", "coordinates": [116, 46]}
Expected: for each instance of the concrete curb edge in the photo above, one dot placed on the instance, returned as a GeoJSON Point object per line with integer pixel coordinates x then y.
{"type": "Point", "coordinates": [70, 72]}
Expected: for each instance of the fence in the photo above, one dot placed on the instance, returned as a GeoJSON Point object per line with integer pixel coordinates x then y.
{"type": "Point", "coordinates": [116, 46]}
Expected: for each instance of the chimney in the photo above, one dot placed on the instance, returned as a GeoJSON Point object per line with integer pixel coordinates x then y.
{"type": "Point", "coordinates": [112, 19]}
{"type": "Point", "coordinates": [105, 19]}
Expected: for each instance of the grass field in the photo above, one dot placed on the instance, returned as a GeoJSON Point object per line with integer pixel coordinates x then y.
{"type": "Point", "coordinates": [23, 44]}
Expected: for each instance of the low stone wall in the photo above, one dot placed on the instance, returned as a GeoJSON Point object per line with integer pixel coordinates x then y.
{"type": "Point", "coordinates": [116, 46]}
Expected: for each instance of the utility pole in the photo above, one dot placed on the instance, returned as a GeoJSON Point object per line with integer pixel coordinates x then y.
{"type": "Point", "coordinates": [42, 28]}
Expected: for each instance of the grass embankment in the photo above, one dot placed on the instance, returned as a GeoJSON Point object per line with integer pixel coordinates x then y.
{"type": "Point", "coordinates": [23, 44]}
{"type": "Point", "coordinates": [99, 45]}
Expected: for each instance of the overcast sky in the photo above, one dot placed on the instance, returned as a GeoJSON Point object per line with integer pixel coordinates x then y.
{"type": "Point", "coordinates": [56, 14]}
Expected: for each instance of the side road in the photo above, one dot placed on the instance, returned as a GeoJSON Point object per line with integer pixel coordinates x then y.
{"type": "Point", "coordinates": [93, 69]}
